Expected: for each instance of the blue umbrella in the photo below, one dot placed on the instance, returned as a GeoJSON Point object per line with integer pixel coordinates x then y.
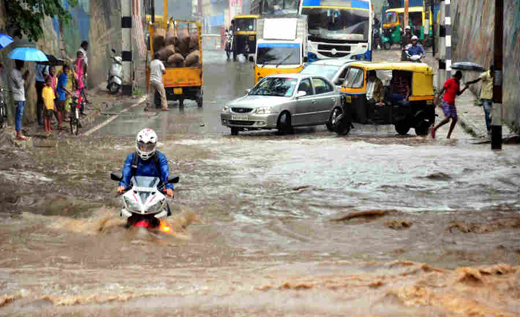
{"type": "Point", "coordinates": [5, 40]}
{"type": "Point", "coordinates": [28, 54]}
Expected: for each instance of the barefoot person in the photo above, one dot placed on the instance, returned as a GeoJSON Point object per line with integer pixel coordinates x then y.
{"type": "Point", "coordinates": [157, 70]}
{"type": "Point", "coordinates": [18, 89]}
{"type": "Point", "coordinates": [451, 90]}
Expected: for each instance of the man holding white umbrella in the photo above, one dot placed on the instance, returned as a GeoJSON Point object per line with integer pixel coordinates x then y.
{"type": "Point", "coordinates": [17, 79]}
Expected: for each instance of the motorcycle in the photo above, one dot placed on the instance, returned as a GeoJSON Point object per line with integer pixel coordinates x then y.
{"type": "Point", "coordinates": [115, 74]}
{"type": "Point", "coordinates": [412, 58]}
{"type": "Point", "coordinates": [3, 109]}
{"type": "Point", "coordinates": [144, 203]}
{"type": "Point", "coordinates": [377, 39]}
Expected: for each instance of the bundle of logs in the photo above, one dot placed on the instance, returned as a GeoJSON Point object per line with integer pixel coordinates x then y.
{"type": "Point", "coordinates": [177, 48]}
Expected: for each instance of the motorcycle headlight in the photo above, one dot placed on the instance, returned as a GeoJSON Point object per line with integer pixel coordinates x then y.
{"type": "Point", "coordinates": [226, 109]}
{"type": "Point", "coordinates": [132, 204]}
{"type": "Point", "coordinates": [263, 110]}
{"type": "Point", "coordinates": [157, 206]}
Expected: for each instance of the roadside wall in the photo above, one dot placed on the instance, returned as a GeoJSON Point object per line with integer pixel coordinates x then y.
{"type": "Point", "coordinates": [473, 36]}
{"type": "Point", "coordinates": [96, 21]}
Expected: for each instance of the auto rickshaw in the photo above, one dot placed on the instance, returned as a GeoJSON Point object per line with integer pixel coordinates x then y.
{"type": "Point", "coordinates": [244, 35]}
{"type": "Point", "coordinates": [417, 112]}
{"type": "Point", "coordinates": [393, 26]}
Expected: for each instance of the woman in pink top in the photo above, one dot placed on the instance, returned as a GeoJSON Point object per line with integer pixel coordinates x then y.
{"type": "Point", "coordinates": [79, 66]}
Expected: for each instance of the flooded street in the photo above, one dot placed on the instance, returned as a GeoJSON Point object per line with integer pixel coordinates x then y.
{"type": "Point", "coordinates": [309, 224]}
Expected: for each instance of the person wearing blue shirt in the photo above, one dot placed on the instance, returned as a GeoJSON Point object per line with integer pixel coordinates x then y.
{"type": "Point", "coordinates": [416, 49]}
{"type": "Point", "coordinates": [61, 91]}
{"type": "Point", "coordinates": [149, 162]}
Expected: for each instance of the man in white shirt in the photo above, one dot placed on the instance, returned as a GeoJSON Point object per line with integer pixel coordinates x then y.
{"type": "Point", "coordinates": [18, 89]}
{"type": "Point", "coordinates": [157, 70]}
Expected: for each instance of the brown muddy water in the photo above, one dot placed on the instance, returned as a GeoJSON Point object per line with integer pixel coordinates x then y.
{"type": "Point", "coordinates": [258, 230]}
{"type": "Point", "coordinates": [264, 225]}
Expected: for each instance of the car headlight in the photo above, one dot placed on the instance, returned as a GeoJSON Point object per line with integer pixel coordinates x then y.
{"type": "Point", "coordinates": [132, 205]}
{"type": "Point", "coordinates": [362, 57]}
{"type": "Point", "coordinates": [263, 110]}
{"type": "Point", "coordinates": [226, 109]}
{"type": "Point", "coordinates": [157, 206]}
{"type": "Point", "coordinates": [310, 46]}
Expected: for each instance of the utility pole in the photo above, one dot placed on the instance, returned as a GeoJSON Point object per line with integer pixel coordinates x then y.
{"type": "Point", "coordinates": [405, 13]}
{"type": "Point", "coordinates": [498, 108]}
{"type": "Point", "coordinates": [427, 20]}
{"type": "Point", "coordinates": [126, 41]}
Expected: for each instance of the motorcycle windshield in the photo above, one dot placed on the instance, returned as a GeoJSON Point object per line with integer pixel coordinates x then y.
{"type": "Point", "coordinates": [145, 182]}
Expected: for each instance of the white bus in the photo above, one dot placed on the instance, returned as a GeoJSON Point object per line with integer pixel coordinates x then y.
{"type": "Point", "coordinates": [338, 28]}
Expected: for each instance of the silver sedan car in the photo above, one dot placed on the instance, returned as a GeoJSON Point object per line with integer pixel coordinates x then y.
{"type": "Point", "coordinates": [282, 102]}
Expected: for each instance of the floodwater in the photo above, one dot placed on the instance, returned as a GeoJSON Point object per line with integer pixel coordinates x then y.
{"type": "Point", "coordinates": [309, 224]}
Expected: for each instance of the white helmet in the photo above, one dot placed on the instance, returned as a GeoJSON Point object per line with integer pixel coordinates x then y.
{"type": "Point", "coordinates": [407, 27]}
{"type": "Point", "coordinates": [414, 38]}
{"type": "Point", "coordinates": [145, 143]}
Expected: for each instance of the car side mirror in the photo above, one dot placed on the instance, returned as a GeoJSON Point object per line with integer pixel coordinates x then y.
{"type": "Point", "coordinates": [113, 51]}
{"type": "Point", "coordinates": [247, 91]}
{"type": "Point", "coordinates": [116, 176]}
{"type": "Point", "coordinates": [301, 93]}
{"type": "Point", "coordinates": [173, 179]}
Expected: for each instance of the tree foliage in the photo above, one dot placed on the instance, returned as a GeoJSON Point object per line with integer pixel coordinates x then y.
{"type": "Point", "coordinates": [26, 16]}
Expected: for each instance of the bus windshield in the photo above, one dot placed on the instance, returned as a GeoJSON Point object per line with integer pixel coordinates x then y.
{"type": "Point", "coordinates": [330, 21]}
{"type": "Point", "coordinates": [278, 54]}
{"type": "Point", "coordinates": [245, 24]}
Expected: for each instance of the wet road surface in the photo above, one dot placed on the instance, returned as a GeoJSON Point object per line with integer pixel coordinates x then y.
{"type": "Point", "coordinates": [255, 230]}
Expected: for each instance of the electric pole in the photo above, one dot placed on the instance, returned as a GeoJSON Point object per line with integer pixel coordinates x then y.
{"type": "Point", "coordinates": [498, 109]}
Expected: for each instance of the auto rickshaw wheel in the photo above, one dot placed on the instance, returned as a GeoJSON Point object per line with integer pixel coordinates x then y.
{"type": "Point", "coordinates": [422, 127]}
{"type": "Point", "coordinates": [387, 45]}
{"type": "Point", "coordinates": [199, 98]}
{"type": "Point", "coordinates": [181, 102]}
{"type": "Point", "coordinates": [402, 127]}
{"type": "Point", "coordinates": [284, 123]}
{"type": "Point", "coordinates": [342, 127]}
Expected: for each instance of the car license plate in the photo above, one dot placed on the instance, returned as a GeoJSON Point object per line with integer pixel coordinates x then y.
{"type": "Point", "coordinates": [252, 38]}
{"type": "Point", "coordinates": [177, 91]}
{"type": "Point", "coordinates": [240, 117]}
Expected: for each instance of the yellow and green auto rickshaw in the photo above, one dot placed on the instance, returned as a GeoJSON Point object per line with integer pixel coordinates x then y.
{"type": "Point", "coordinates": [393, 26]}
{"type": "Point", "coordinates": [244, 35]}
{"type": "Point", "coordinates": [417, 111]}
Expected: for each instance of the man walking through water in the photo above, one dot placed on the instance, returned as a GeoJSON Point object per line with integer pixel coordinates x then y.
{"type": "Point", "coordinates": [486, 94]}
{"type": "Point", "coordinates": [157, 70]}
{"type": "Point", "coordinates": [451, 90]}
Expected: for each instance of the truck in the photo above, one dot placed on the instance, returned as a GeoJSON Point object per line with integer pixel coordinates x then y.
{"type": "Point", "coordinates": [281, 45]}
{"type": "Point", "coordinates": [180, 44]}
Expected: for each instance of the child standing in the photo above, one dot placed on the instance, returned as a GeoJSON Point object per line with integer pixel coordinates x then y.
{"type": "Point", "coordinates": [61, 93]}
{"type": "Point", "coordinates": [48, 101]}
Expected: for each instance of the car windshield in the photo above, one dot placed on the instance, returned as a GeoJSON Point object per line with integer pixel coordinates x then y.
{"type": "Point", "coordinates": [327, 71]}
{"type": "Point", "coordinates": [278, 54]}
{"type": "Point", "coordinates": [390, 17]}
{"type": "Point", "coordinates": [275, 86]}
{"type": "Point", "coordinates": [245, 24]}
{"type": "Point", "coordinates": [331, 23]}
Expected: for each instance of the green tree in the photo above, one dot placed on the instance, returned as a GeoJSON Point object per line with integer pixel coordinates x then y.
{"type": "Point", "coordinates": [26, 16]}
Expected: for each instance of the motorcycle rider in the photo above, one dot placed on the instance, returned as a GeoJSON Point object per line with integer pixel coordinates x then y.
{"type": "Point", "coordinates": [415, 49]}
{"type": "Point", "coordinates": [146, 161]}
{"type": "Point", "coordinates": [406, 39]}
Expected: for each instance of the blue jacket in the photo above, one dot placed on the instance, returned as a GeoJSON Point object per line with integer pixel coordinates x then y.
{"type": "Point", "coordinates": [416, 50]}
{"type": "Point", "coordinates": [146, 168]}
